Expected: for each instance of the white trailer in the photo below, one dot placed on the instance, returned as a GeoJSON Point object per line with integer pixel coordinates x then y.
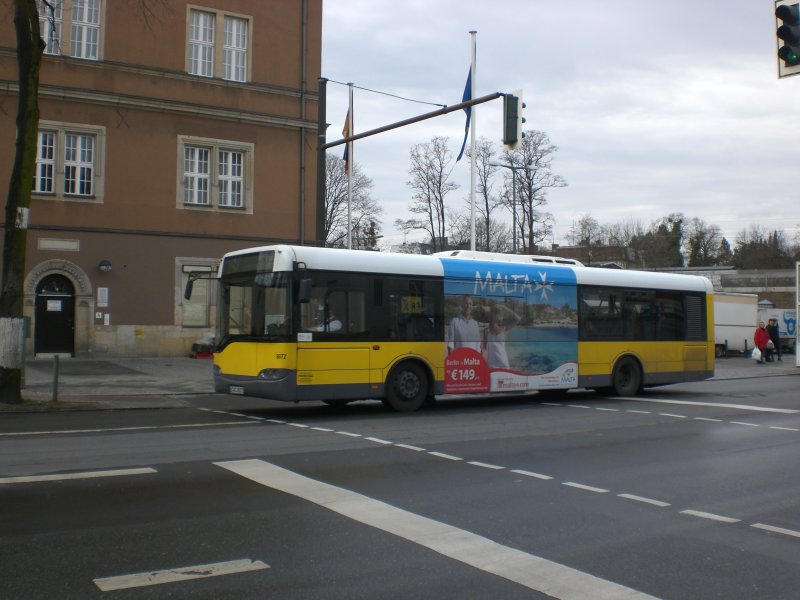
{"type": "Point", "coordinates": [735, 322]}
{"type": "Point", "coordinates": [787, 325]}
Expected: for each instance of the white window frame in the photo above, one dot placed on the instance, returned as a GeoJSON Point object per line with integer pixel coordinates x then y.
{"type": "Point", "coordinates": [225, 180]}
{"type": "Point", "coordinates": [76, 30]}
{"type": "Point", "coordinates": [51, 25]}
{"type": "Point", "coordinates": [218, 44]}
{"type": "Point", "coordinates": [70, 162]}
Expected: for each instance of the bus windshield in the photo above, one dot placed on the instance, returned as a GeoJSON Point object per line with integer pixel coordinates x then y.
{"type": "Point", "coordinates": [253, 304]}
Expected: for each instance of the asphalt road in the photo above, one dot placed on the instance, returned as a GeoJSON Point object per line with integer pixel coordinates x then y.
{"type": "Point", "coordinates": [689, 491]}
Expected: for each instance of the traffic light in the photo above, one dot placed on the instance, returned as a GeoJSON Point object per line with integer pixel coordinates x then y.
{"type": "Point", "coordinates": [512, 119]}
{"type": "Point", "coordinates": [787, 24]}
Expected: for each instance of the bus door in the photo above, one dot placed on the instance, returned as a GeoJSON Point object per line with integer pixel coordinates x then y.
{"type": "Point", "coordinates": [333, 354]}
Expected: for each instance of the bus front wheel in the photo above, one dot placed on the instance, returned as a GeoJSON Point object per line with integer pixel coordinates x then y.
{"type": "Point", "coordinates": [406, 387]}
{"type": "Point", "coordinates": [627, 377]}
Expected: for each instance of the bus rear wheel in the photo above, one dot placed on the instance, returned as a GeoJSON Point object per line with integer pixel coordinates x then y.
{"type": "Point", "coordinates": [627, 377]}
{"type": "Point", "coordinates": [406, 387]}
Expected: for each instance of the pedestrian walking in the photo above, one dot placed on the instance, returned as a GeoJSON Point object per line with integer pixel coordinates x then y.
{"type": "Point", "coordinates": [760, 339]}
{"type": "Point", "coordinates": [775, 338]}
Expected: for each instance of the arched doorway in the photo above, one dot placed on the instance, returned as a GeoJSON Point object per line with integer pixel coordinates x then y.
{"type": "Point", "coordinates": [55, 316]}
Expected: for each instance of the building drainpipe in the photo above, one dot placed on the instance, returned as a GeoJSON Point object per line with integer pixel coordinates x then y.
{"type": "Point", "coordinates": [303, 68]}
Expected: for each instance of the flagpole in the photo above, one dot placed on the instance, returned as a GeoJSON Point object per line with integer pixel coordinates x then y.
{"type": "Point", "coordinates": [351, 166]}
{"type": "Point", "coordinates": [472, 157]}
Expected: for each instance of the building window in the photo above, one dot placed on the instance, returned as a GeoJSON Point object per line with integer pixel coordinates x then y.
{"type": "Point", "coordinates": [208, 55]}
{"type": "Point", "coordinates": [197, 310]}
{"type": "Point", "coordinates": [216, 174]}
{"type": "Point", "coordinates": [235, 49]}
{"type": "Point", "coordinates": [67, 161]}
{"type": "Point", "coordinates": [45, 163]}
{"type": "Point", "coordinates": [201, 43]}
{"type": "Point", "coordinates": [50, 21]}
{"type": "Point", "coordinates": [73, 24]}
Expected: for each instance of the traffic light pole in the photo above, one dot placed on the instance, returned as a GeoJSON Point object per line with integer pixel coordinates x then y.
{"type": "Point", "coordinates": [426, 116]}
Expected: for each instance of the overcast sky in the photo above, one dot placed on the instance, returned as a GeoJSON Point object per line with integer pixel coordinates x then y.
{"type": "Point", "coordinates": [656, 107]}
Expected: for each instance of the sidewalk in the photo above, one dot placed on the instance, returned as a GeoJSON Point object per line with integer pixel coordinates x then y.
{"type": "Point", "coordinates": [118, 382]}
{"type": "Point", "coordinates": [161, 382]}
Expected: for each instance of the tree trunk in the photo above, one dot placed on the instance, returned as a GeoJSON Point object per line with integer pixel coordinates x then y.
{"type": "Point", "coordinates": [29, 57]}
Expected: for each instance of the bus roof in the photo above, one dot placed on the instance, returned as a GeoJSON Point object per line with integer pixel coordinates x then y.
{"type": "Point", "coordinates": [337, 259]}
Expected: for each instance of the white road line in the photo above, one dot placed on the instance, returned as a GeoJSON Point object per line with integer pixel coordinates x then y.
{"type": "Point", "coordinates": [322, 429]}
{"type": "Point", "coordinates": [379, 441]}
{"type": "Point", "coordinates": [785, 428]}
{"type": "Point", "coordinates": [348, 434]}
{"type": "Point", "coordinates": [443, 455]}
{"type": "Point", "coordinates": [485, 465]}
{"type": "Point", "coordinates": [786, 411]}
{"type": "Point", "coordinates": [407, 447]}
{"type": "Point", "coordinates": [588, 488]}
{"type": "Point", "coordinates": [277, 421]}
{"type": "Point", "coordinates": [112, 429]}
{"type": "Point", "coordinates": [641, 412]}
{"type": "Point", "coordinates": [608, 409]}
{"type": "Point", "coordinates": [531, 474]}
{"type": "Point", "coordinates": [671, 415]}
{"type": "Point", "coordinates": [300, 425]}
{"type": "Point", "coordinates": [551, 404]}
{"type": "Point", "coordinates": [83, 475]}
{"type": "Point", "coordinates": [743, 423]}
{"type": "Point", "coordinates": [122, 582]}
{"type": "Point", "coordinates": [710, 516]}
{"type": "Point", "coordinates": [528, 570]}
{"type": "Point", "coordinates": [707, 419]}
{"type": "Point", "coordinates": [790, 532]}
{"type": "Point", "coordinates": [635, 498]}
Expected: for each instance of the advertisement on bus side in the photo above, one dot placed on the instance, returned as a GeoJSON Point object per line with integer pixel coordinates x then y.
{"type": "Point", "coordinates": [509, 327]}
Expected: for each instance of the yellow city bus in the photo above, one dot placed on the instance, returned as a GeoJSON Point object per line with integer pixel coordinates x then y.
{"type": "Point", "coordinates": [299, 323]}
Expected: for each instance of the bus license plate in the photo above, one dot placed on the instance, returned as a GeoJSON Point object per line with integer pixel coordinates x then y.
{"type": "Point", "coordinates": [236, 389]}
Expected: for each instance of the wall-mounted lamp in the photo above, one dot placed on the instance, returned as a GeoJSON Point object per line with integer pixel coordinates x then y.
{"type": "Point", "coordinates": [105, 265]}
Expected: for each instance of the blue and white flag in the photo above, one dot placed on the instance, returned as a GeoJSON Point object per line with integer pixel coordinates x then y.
{"type": "Point", "coordinates": [467, 96]}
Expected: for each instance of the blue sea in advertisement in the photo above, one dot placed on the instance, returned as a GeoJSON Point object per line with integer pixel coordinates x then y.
{"type": "Point", "coordinates": [541, 349]}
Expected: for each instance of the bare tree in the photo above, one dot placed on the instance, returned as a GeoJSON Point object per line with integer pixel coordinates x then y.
{"type": "Point", "coordinates": [585, 231]}
{"type": "Point", "coordinates": [535, 177]}
{"type": "Point", "coordinates": [703, 243]}
{"type": "Point", "coordinates": [460, 231]}
{"type": "Point", "coordinates": [30, 48]}
{"type": "Point", "coordinates": [488, 201]}
{"type": "Point", "coordinates": [431, 166]}
{"type": "Point", "coordinates": [364, 210]}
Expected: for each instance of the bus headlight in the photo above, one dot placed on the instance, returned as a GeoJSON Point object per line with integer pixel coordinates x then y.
{"type": "Point", "coordinates": [273, 374]}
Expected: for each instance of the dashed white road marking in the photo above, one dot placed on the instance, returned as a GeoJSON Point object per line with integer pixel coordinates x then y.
{"type": "Point", "coordinates": [407, 447]}
{"type": "Point", "coordinates": [528, 570]}
{"type": "Point", "coordinates": [475, 463]}
{"type": "Point", "coordinates": [349, 434]}
{"type": "Point", "coordinates": [672, 415]}
{"type": "Point", "coordinates": [578, 406]}
{"type": "Point", "coordinates": [710, 516]}
{"type": "Point", "coordinates": [781, 530]}
{"type": "Point", "coordinates": [300, 425]}
{"type": "Point", "coordinates": [708, 419]}
{"type": "Point", "coordinates": [122, 582]}
{"type": "Point", "coordinates": [785, 428]}
{"type": "Point", "coordinates": [743, 423]}
{"type": "Point", "coordinates": [588, 488]}
{"type": "Point", "coordinates": [443, 455]}
{"type": "Point", "coordinates": [531, 474]}
{"type": "Point", "coordinates": [379, 441]}
{"type": "Point", "coordinates": [786, 411]}
{"type": "Point", "coordinates": [323, 429]}
{"type": "Point", "coordinates": [652, 501]}
{"type": "Point", "coordinates": [83, 475]}
{"type": "Point", "coordinates": [118, 429]}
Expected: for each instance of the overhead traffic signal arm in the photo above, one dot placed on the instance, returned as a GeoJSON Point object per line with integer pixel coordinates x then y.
{"type": "Point", "coordinates": [513, 119]}
{"type": "Point", "coordinates": [787, 29]}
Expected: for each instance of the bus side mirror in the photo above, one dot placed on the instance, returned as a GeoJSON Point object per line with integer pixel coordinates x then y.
{"type": "Point", "coordinates": [304, 291]}
{"type": "Point", "coordinates": [187, 293]}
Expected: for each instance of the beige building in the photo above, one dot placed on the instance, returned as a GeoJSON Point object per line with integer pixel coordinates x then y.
{"type": "Point", "coordinates": [170, 133]}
